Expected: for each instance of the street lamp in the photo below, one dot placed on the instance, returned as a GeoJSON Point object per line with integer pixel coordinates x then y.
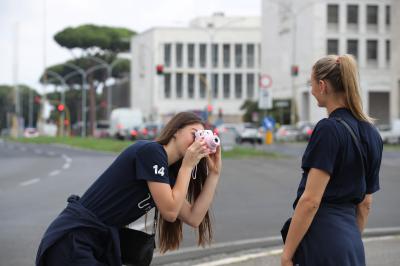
{"type": "Point", "coordinates": [109, 68]}
{"type": "Point", "coordinates": [64, 86]}
{"type": "Point", "coordinates": [289, 8]}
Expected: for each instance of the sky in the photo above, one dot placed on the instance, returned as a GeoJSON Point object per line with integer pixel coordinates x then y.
{"type": "Point", "coordinates": [23, 20]}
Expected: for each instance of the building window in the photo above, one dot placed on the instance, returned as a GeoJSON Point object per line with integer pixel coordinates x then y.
{"type": "Point", "coordinates": [372, 15]}
{"type": "Point", "coordinates": [179, 85]}
{"type": "Point", "coordinates": [191, 86]}
{"type": "Point", "coordinates": [167, 85]}
{"type": "Point", "coordinates": [167, 55]}
{"type": "Point", "coordinates": [191, 55]}
{"type": "Point", "coordinates": [203, 88]}
{"type": "Point", "coordinates": [372, 51]}
{"type": "Point", "coordinates": [352, 47]}
{"type": "Point", "coordinates": [332, 46]}
{"type": "Point", "coordinates": [387, 16]}
{"type": "Point", "coordinates": [388, 50]}
{"type": "Point", "coordinates": [333, 14]}
{"type": "Point", "coordinates": [179, 55]}
{"type": "Point", "coordinates": [227, 55]}
{"type": "Point", "coordinates": [214, 79]}
{"type": "Point", "coordinates": [215, 55]}
{"type": "Point", "coordinates": [238, 55]}
{"type": "Point", "coordinates": [238, 86]}
{"type": "Point", "coordinates": [250, 55]}
{"type": "Point", "coordinates": [203, 55]}
{"type": "Point", "coordinates": [352, 14]}
{"type": "Point", "coordinates": [250, 86]}
{"type": "Point", "coordinates": [227, 86]}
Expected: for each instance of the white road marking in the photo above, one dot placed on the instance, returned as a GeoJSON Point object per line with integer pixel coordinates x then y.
{"type": "Point", "coordinates": [38, 151]}
{"type": "Point", "coordinates": [54, 173]}
{"type": "Point", "coordinates": [66, 166]}
{"type": "Point", "coordinates": [241, 258]}
{"type": "Point", "coordinates": [29, 182]}
{"type": "Point", "coordinates": [66, 158]}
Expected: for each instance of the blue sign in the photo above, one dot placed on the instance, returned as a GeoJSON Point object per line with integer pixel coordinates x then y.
{"type": "Point", "coordinates": [268, 123]}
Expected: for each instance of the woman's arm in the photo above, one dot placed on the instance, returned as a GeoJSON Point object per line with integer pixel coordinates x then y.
{"type": "Point", "coordinates": [169, 201]}
{"type": "Point", "coordinates": [305, 211]}
{"type": "Point", "coordinates": [194, 214]}
{"type": "Point", "coordinates": [363, 211]}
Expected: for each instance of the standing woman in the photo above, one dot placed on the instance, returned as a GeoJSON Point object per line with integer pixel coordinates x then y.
{"type": "Point", "coordinates": [147, 174]}
{"type": "Point", "coordinates": [335, 193]}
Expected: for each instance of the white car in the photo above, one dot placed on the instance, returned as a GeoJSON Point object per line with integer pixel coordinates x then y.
{"type": "Point", "coordinates": [31, 132]}
{"type": "Point", "coordinates": [391, 133]}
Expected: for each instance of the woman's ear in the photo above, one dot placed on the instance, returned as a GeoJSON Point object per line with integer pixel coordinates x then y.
{"type": "Point", "coordinates": [323, 87]}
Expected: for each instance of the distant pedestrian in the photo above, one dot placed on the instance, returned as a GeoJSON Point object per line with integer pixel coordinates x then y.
{"type": "Point", "coordinates": [340, 172]}
{"type": "Point", "coordinates": [147, 174]}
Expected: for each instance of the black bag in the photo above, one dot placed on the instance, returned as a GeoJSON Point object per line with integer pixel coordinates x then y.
{"type": "Point", "coordinates": [285, 229]}
{"type": "Point", "coordinates": [137, 247]}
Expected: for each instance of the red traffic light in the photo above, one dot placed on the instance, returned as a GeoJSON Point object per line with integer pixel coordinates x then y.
{"type": "Point", "coordinates": [160, 69]}
{"type": "Point", "coordinates": [295, 70]}
{"type": "Point", "coordinates": [61, 107]}
{"type": "Point", "coordinates": [209, 108]}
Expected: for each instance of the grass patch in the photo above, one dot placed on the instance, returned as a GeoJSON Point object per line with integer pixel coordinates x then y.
{"type": "Point", "coordinates": [391, 147]}
{"type": "Point", "coordinates": [108, 145]}
{"type": "Point", "coordinates": [111, 145]}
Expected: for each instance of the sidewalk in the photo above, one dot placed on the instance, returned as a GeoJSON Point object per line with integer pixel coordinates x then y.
{"type": "Point", "coordinates": [380, 251]}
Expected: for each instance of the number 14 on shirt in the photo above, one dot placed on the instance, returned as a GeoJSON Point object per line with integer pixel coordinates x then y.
{"type": "Point", "coordinates": [158, 171]}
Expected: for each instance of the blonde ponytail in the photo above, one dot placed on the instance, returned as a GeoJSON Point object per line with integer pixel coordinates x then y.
{"type": "Point", "coordinates": [350, 81]}
{"type": "Point", "coordinates": [341, 72]}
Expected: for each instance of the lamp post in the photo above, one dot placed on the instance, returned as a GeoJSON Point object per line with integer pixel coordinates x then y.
{"type": "Point", "coordinates": [83, 75]}
{"type": "Point", "coordinates": [289, 9]}
{"type": "Point", "coordinates": [109, 68]}
{"type": "Point", "coordinates": [64, 86]}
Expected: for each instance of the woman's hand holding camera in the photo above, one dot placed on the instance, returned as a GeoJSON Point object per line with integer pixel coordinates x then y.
{"type": "Point", "coordinates": [195, 153]}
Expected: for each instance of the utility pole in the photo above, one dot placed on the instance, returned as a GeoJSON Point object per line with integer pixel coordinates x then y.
{"type": "Point", "coordinates": [17, 102]}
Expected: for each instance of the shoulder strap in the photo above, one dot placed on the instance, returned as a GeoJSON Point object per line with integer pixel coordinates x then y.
{"type": "Point", "coordinates": [155, 220]}
{"type": "Point", "coordinates": [356, 141]}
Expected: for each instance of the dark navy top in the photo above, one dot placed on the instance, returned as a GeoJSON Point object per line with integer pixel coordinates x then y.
{"type": "Point", "coordinates": [332, 149]}
{"type": "Point", "coordinates": [121, 195]}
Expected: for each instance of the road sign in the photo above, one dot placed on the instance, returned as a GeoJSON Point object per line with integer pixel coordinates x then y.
{"type": "Point", "coordinates": [265, 99]}
{"type": "Point", "coordinates": [265, 81]}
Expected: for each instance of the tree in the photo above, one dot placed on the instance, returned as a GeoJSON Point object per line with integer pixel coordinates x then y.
{"type": "Point", "coordinates": [98, 41]}
{"type": "Point", "coordinates": [7, 106]}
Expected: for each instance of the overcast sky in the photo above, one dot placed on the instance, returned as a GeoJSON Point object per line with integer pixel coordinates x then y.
{"type": "Point", "coordinates": [137, 15]}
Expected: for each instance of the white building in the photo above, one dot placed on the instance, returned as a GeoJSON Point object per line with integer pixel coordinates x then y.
{"type": "Point", "coordinates": [196, 76]}
{"type": "Point", "coordinates": [395, 100]}
{"type": "Point", "coordinates": [302, 31]}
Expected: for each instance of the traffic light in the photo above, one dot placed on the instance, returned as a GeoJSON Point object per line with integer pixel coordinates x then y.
{"type": "Point", "coordinates": [209, 108]}
{"type": "Point", "coordinates": [295, 70]}
{"type": "Point", "coordinates": [60, 107]}
{"type": "Point", "coordinates": [160, 69]}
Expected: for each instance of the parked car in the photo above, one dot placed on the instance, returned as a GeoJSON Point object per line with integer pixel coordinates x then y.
{"type": "Point", "coordinates": [390, 133]}
{"type": "Point", "coordinates": [228, 134]}
{"type": "Point", "coordinates": [250, 133]}
{"type": "Point", "coordinates": [305, 130]}
{"type": "Point", "coordinates": [31, 132]}
{"type": "Point", "coordinates": [148, 130]}
{"type": "Point", "coordinates": [102, 129]}
{"type": "Point", "coordinates": [287, 133]}
{"type": "Point", "coordinates": [123, 120]}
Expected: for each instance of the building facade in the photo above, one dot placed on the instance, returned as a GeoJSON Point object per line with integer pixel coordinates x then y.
{"type": "Point", "coordinates": [214, 64]}
{"type": "Point", "coordinates": [297, 33]}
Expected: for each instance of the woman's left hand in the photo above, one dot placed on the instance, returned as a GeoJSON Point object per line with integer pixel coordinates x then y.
{"type": "Point", "coordinates": [214, 162]}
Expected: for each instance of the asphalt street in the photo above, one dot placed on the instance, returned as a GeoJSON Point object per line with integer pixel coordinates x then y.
{"type": "Point", "coordinates": [254, 196]}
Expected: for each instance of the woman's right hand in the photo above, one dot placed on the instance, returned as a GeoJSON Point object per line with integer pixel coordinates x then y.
{"type": "Point", "coordinates": [195, 153]}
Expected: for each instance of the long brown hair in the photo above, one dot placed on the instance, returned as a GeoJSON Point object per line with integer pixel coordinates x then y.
{"type": "Point", "coordinates": [170, 234]}
{"type": "Point", "coordinates": [342, 74]}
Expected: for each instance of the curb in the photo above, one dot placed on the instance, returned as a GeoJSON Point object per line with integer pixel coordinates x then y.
{"type": "Point", "coordinates": [193, 253]}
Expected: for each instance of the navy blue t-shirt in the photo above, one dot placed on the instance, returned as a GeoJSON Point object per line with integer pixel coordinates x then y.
{"type": "Point", "coordinates": [121, 195]}
{"type": "Point", "coordinates": [332, 149]}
